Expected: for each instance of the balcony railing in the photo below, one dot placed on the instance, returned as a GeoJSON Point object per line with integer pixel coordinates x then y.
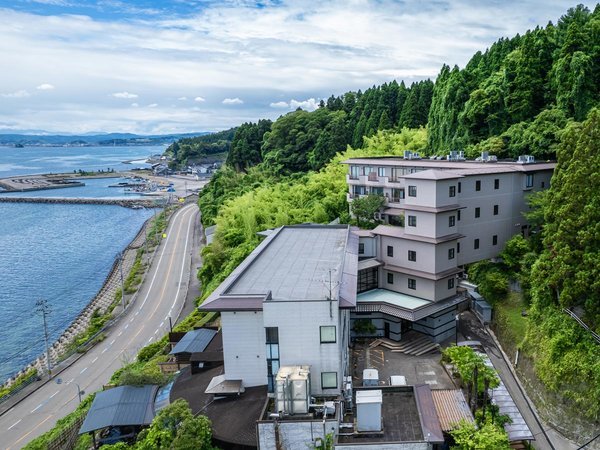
{"type": "Point", "coordinates": [373, 176]}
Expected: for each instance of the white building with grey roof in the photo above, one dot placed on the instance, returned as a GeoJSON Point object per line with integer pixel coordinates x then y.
{"type": "Point", "coordinates": [288, 304]}
{"type": "Point", "coordinates": [439, 215]}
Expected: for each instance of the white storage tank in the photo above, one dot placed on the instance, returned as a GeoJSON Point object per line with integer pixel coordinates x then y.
{"type": "Point", "coordinates": [292, 389]}
{"type": "Point", "coordinates": [368, 410]}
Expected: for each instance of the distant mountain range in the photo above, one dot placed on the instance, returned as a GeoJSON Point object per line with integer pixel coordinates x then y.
{"type": "Point", "coordinates": [88, 140]}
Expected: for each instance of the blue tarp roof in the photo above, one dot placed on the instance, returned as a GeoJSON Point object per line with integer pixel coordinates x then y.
{"type": "Point", "coordinates": [120, 406]}
{"type": "Point", "coordinates": [194, 341]}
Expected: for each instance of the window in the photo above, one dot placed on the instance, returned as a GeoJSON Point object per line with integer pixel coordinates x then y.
{"type": "Point", "coordinates": [361, 248]}
{"type": "Point", "coordinates": [450, 253]}
{"type": "Point", "coordinates": [381, 171]}
{"type": "Point", "coordinates": [359, 190]}
{"type": "Point", "coordinates": [478, 185]}
{"type": "Point", "coordinates": [390, 278]}
{"type": "Point", "coordinates": [458, 247]}
{"type": "Point", "coordinates": [412, 191]}
{"type": "Point", "coordinates": [367, 280]}
{"type": "Point", "coordinates": [477, 212]}
{"type": "Point", "coordinates": [476, 244]}
{"type": "Point", "coordinates": [451, 283]}
{"type": "Point", "coordinates": [397, 195]}
{"type": "Point", "coordinates": [412, 255]}
{"type": "Point", "coordinates": [495, 210]}
{"type": "Point", "coordinates": [459, 186]}
{"type": "Point", "coordinates": [497, 183]}
{"type": "Point", "coordinates": [412, 221]}
{"type": "Point", "coordinates": [376, 190]}
{"type": "Point", "coordinates": [272, 353]}
{"type": "Point", "coordinates": [458, 215]}
{"type": "Point", "coordinates": [543, 185]}
{"type": "Point", "coordinates": [328, 380]}
{"type": "Point", "coordinates": [327, 334]}
{"type": "Point", "coordinates": [452, 191]}
{"type": "Point", "coordinates": [451, 221]}
{"type": "Point", "coordinates": [412, 283]}
{"type": "Point", "coordinates": [390, 250]}
{"type": "Point", "coordinates": [354, 172]}
{"type": "Point", "coordinates": [495, 239]}
{"type": "Point", "coordinates": [529, 180]}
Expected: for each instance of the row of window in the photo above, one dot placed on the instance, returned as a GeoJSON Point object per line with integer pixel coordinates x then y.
{"type": "Point", "coordinates": [412, 254]}
{"type": "Point", "coordinates": [412, 283]}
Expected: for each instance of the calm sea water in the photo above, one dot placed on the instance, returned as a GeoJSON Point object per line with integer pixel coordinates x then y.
{"type": "Point", "coordinates": [61, 253]}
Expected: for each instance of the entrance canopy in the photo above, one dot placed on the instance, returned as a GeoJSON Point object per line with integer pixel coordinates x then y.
{"type": "Point", "coordinates": [121, 406]}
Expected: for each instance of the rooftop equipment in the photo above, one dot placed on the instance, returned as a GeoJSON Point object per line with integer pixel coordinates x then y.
{"type": "Point", "coordinates": [411, 155]}
{"type": "Point", "coordinates": [455, 155]}
{"type": "Point", "coordinates": [370, 377]}
{"type": "Point", "coordinates": [368, 410]}
{"type": "Point", "coordinates": [292, 390]}
{"type": "Point", "coordinates": [526, 159]}
{"type": "Point", "coordinates": [397, 380]}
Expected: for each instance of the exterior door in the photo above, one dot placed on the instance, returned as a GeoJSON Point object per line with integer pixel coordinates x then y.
{"type": "Point", "coordinates": [386, 330]}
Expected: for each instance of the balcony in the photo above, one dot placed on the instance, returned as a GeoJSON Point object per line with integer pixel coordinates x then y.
{"type": "Point", "coordinates": [373, 176]}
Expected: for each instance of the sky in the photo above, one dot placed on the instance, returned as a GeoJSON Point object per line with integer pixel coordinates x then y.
{"type": "Point", "coordinates": [159, 67]}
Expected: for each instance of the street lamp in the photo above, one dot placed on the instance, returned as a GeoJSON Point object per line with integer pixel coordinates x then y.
{"type": "Point", "coordinates": [79, 391]}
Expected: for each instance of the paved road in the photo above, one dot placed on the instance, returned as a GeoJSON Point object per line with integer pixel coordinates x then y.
{"type": "Point", "coordinates": [161, 296]}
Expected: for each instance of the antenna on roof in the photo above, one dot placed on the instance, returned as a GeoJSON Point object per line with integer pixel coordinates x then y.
{"type": "Point", "coordinates": [331, 285]}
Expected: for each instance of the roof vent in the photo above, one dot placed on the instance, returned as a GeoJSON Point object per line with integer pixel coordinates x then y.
{"type": "Point", "coordinates": [526, 159]}
{"type": "Point", "coordinates": [411, 155]}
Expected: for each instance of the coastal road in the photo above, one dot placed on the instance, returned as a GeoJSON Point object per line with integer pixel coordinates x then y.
{"type": "Point", "coordinates": [161, 296]}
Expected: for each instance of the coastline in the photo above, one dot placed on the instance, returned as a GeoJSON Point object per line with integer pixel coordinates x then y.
{"type": "Point", "coordinates": [101, 301]}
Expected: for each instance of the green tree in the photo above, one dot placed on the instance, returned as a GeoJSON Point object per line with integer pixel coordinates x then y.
{"type": "Point", "coordinates": [364, 208]}
{"type": "Point", "coordinates": [484, 437]}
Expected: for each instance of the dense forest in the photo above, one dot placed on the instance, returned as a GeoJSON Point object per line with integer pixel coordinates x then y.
{"type": "Point", "coordinates": [189, 150]}
{"type": "Point", "coordinates": [532, 94]}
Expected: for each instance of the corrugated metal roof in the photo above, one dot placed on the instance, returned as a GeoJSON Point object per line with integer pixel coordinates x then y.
{"type": "Point", "coordinates": [120, 406]}
{"type": "Point", "coordinates": [432, 430]}
{"type": "Point", "coordinates": [451, 407]}
{"type": "Point", "coordinates": [194, 341]}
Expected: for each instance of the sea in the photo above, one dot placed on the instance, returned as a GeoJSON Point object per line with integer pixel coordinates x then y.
{"type": "Point", "coordinates": [61, 253]}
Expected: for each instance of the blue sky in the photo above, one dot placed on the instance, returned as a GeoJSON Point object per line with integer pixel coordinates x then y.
{"type": "Point", "coordinates": [177, 66]}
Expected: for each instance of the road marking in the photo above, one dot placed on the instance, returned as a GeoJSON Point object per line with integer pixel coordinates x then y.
{"type": "Point", "coordinates": [155, 331]}
{"type": "Point", "coordinates": [161, 324]}
{"type": "Point", "coordinates": [83, 370]}
{"type": "Point", "coordinates": [137, 313]}
{"type": "Point", "coordinates": [120, 333]}
{"type": "Point", "coordinates": [71, 380]}
{"type": "Point", "coordinates": [104, 351]}
{"type": "Point", "coordinates": [33, 429]}
{"type": "Point", "coordinates": [112, 342]}
{"type": "Point", "coordinates": [150, 340]}
{"type": "Point", "coordinates": [131, 320]}
{"type": "Point", "coordinates": [126, 326]}
{"type": "Point", "coordinates": [54, 394]}
{"type": "Point", "coordinates": [94, 360]}
{"type": "Point", "coordinates": [37, 407]}
{"type": "Point", "coordinates": [14, 424]}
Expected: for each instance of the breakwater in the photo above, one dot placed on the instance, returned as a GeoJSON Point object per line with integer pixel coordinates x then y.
{"type": "Point", "coordinates": [153, 202]}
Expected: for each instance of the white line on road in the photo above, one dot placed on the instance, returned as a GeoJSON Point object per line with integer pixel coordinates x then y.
{"type": "Point", "coordinates": [94, 360]}
{"type": "Point", "coordinates": [54, 394]}
{"type": "Point", "coordinates": [83, 370]}
{"type": "Point", "coordinates": [37, 407]}
{"type": "Point", "coordinates": [14, 424]}
{"type": "Point", "coordinates": [155, 331]}
{"type": "Point", "coordinates": [137, 313]}
{"type": "Point", "coordinates": [161, 324]}
{"type": "Point", "coordinates": [104, 351]}
{"type": "Point", "coordinates": [150, 340]}
{"type": "Point", "coordinates": [131, 320]}
{"type": "Point", "coordinates": [120, 333]}
{"type": "Point", "coordinates": [126, 326]}
{"type": "Point", "coordinates": [71, 380]}
{"type": "Point", "coordinates": [112, 342]}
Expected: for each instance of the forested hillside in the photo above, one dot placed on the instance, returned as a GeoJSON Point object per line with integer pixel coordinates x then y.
{"type": "Point", "coordinates": [517, 96]}
{"type": "Point", "coordinates": [189, 150]}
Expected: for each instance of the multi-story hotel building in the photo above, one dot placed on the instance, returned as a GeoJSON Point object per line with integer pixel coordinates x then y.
{"type": "Point", "coordinates": [439, 215]}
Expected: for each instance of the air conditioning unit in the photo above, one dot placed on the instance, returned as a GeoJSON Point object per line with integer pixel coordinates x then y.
{"type": "Point", "coordinates": [526, 159]}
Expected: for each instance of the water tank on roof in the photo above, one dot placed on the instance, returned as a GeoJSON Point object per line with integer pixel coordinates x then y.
{"type": "Point", "coordinates": [292, 389]}
{"type": "Point", "coordinates": [368, 410]}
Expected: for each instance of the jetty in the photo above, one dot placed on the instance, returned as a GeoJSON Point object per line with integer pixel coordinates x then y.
{"type": "Point", "coordinates": [126, 202]}
{"type": "Point", "coordinates": [37, 182]}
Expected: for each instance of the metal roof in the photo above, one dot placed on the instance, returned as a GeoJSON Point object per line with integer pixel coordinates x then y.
{"type": "Point", "coordinates": [451, 407]}
{"type": "Point", "coordinates": [194, 341]}
{"type": "Point", "coordinates": [120, 406]}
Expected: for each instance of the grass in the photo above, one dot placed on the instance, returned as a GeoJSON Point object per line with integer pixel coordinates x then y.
{"type": "Point", "coordinates": [509, 324]}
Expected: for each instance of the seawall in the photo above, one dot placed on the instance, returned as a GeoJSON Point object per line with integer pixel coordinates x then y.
{"type": "Point", "coordinates": [126, 202]}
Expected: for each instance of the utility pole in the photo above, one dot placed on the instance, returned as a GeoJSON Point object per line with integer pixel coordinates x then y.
{"type": "Point", "coordinates": [42, 307]}
{"type": "Point", "coordinates": [120, 260]}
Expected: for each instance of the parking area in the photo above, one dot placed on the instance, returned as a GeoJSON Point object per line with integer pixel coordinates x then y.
{"type": "Point", "coordinates": [424, 369]}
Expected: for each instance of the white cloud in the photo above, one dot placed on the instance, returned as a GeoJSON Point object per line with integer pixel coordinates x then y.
{"type": "Point", "coordinates": [124, 95]}
{"type": "Point", "coordinates": [45, 87]}
{"type": "Point", "coordinates": [199, 99]}
{"type": "Point", "coordinates": [135, 105]}
{"type": "Point", "coordinates": [297, 50]}
{"type": "Point", "coordinates": [232, 101]}
{"type": "Point", "coordinates": [152, 105]}
{"type": "Point", "coordinates": [17, 94]}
